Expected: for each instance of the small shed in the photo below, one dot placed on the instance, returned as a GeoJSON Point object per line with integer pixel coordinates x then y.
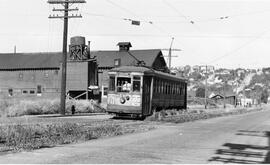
{"type": "Point", "coordinates": [219, 98]}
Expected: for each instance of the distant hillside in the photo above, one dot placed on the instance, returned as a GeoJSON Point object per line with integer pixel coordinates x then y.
{"type": "Point", "coordinates": [241, 82]}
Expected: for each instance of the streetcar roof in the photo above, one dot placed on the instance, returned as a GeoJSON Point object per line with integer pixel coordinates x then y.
{"type": "Point", "coordinates": [146, 71]}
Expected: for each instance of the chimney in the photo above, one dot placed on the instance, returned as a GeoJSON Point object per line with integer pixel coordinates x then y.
{"type": "Point", "coordinates": [124, 46]}
{"type": "Point", "coordinates": [15, 49]}
{"type": "Point", "coordinates": [88, 50]}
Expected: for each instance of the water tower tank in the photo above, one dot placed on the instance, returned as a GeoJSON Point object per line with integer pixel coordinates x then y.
{"type": "Point", "coordinates": [77, 40]}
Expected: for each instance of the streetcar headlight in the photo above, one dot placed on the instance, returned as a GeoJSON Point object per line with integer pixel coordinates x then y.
{"type": "Point", "coordinates": [122, 100]}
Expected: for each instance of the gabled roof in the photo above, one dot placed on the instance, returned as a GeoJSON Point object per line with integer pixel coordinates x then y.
{"type": "Point", "coordinates": [11, 61]}
{"type": "Point", "coordinates": [106, 58]}
{"type": "Point", "coordinates": [227, 94]}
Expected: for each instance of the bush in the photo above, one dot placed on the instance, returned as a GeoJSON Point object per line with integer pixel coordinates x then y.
{"type": "Point", "coordinates": [196, 115]}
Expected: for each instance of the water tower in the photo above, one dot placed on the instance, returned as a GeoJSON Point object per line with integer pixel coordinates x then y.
{"type": "Point", "coordinates": [82, 70]}
{"type": "Point", "coordinates": [78, 50]}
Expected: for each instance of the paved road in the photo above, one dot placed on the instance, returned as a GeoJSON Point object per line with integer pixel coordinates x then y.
{"type": "Point", "coordinates": [234, 139]}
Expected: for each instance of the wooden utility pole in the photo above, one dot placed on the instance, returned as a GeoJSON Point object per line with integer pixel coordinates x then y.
{"type": "Point", "coordinates": [170, 53]}
{"type": "Point", "coordinates": [205, 87]}
{"type": "Point", "coordinates": [224, 94]}
{"type": "Point", "coordinates": [66, 16]}
{"type": "Point", "coordinates": [205, 94]}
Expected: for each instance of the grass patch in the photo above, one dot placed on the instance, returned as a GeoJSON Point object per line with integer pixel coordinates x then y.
{"type": "Point", "coordinates": [17, 137]}
{"type": "Point", "coordinates": [11, 108]}
{"type": "Point", "coordinates": [192, 115]}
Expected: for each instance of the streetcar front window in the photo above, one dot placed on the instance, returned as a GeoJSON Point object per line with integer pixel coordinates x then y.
{"type": "Point", "coordinates": [123, 84]}
{"type": "Point", "coordinates": [112, 83]}
{"type": "Point", "coordinates": [136, 84]}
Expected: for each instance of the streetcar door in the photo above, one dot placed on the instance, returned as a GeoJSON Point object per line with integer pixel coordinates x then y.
{"type": "Point", "coordinates": [146, 108]}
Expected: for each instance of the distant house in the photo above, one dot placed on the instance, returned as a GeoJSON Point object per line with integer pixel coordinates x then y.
{"type": "Point", "coordinates": [240, 71]}
{"type": "Point", "coordinates": [210, 69]}
{"type": "Point", "coordinates": [196, 68]}
{"type": "Point", "coordinates": [228, 98]}
{"type": "Point", "coordinates": [187, 68]}
{"type": "Point", "coordinates": [222, 72]}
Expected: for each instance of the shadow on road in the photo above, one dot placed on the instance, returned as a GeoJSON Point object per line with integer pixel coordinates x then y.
{"type": "Point", "coordinates": [244, 153]}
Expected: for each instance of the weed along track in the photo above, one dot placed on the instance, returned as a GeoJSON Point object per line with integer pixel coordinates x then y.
{"type": "Point", "coordinates": [28, 133]}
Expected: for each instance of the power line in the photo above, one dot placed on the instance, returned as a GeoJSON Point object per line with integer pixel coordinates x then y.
{"type": "Point", "coordinates": [188, 21]}
{"type": "Point", "coordinates": [192, 22]}
{"type": "Point", "coordinates": [181, 14]}
{"type": "Point", "coordinates": [240, 47]}
{"type": "Point", "coordinates": [226, 17]}
{"type": "Point", "coordinates": [117, 18]}
{"type": "Point", "coordinates": [116, 5]}
{"type": "Point", "coordinates": [178, 12]}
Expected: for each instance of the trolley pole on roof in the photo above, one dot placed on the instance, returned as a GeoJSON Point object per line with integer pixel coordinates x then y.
{"type": "Point", "coordinates": [170, 53]}
{"type": "Point", "coordinates": [65, 16]}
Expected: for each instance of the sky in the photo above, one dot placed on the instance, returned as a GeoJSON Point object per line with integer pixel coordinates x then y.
{"type": "Point", "coordinates": [221, 33]}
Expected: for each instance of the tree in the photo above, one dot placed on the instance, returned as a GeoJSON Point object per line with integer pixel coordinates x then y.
{"type": "Point", "coordinates": [264, 96]}
{"type": "Point", "coordinates": [200, 92]}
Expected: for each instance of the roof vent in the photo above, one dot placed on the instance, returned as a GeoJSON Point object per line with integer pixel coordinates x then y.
{"type": "Point", "coordinates": [124, 46]}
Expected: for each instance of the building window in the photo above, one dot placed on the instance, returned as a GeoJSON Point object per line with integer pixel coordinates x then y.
{"type": "Point", "coordinates": [117, 62]}
{"type": "Point", "coordinates": [38, 89]}
{"type": "Point", "coordinates": [10, 92]}
{"type": "Point", "coordinates": [24, 92]}
{"type": "Point", "coordinates": [46, 74]}
{"type": "Point", "coordinates": [32, 92]}
{"type": "Point", "coordinates": [56, 72]}
{"type": "Point", "coordinates": [105, 91]}
{"type": "Point", "coordinates": [20, 76]}
{"type": "Point", "coordinates": [33, 77]}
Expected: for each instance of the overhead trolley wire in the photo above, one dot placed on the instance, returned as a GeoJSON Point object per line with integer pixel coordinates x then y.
{"type": "Point", "coordinates": [240, 47]}
{"type": "Point", "coordinates": [181, 14]}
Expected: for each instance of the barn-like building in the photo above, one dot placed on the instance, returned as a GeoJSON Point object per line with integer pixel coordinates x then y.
{"type": "Point", "coordinates": [30, 74]}
{"type": "Point", "coordinates": [39, 74]}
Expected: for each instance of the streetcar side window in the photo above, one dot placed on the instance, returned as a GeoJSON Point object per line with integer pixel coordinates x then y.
{"type": "Point", "coordinates": [136, 84]}
{"type": "Point", "coordinates": [123, 84]}
{"type": "Point", "coordinates": [112, 83]}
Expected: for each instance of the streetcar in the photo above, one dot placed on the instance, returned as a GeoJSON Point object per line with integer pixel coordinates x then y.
{"type": "Point", "coordinates": [138, 91]}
